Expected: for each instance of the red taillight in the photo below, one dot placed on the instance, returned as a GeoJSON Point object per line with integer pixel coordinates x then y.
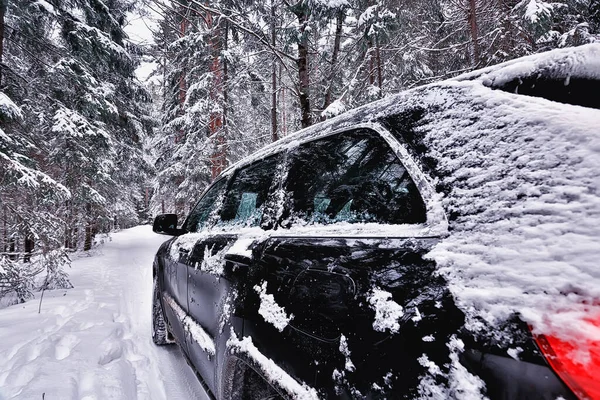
{"type": "Point", "coordinates": [583, 378]}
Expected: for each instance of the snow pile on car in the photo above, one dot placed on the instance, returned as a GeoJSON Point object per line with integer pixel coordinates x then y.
{"type": "Point", "coordinates": [581, 62]}
{"type": "Point", "coordinates": [522, 181]}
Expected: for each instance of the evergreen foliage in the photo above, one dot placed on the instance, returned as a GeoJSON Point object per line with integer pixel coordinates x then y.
{"type": "Point", "coordinates": [73, 124]}
{"type": "Point", "coordinates": [290, 64]}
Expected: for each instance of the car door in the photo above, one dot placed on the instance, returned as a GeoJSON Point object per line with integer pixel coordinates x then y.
{"type": "Point", "coordinates": [174, 278]}
{"type": "Point", "coordinates": [350, 272]}
{"type": "Point", "coordinates": [178, 258]}
{"type": "Point", "coordinates": [241, 211]}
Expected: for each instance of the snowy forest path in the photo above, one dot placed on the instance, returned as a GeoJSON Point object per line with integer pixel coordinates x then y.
{"type": "Point", "coordinates": [93, 342]}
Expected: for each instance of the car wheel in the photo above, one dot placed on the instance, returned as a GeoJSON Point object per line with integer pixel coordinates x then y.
{"type": "Point", "coordinates": [160, 331]}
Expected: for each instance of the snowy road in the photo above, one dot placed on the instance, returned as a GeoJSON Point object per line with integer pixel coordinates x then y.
{"type": "Point", "coordinates": [93, 342]}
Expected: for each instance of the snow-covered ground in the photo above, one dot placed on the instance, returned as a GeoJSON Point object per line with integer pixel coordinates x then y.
{"type": "Point", "coordinates": [93, 342]}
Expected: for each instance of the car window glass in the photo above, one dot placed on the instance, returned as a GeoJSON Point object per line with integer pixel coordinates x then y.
{"type": "Point", "coordinates": [351, 177]}
{"type": "Point", "coordinates": [245, 199]}
{"type": "Point", "coordinates": [205, 211]}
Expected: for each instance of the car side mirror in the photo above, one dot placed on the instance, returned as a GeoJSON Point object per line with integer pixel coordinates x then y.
{"type": "Point", "coordinates": [166, 224]}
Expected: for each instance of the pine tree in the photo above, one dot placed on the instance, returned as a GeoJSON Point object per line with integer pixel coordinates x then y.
{"type": "Point", "coordinates": [71, 142]}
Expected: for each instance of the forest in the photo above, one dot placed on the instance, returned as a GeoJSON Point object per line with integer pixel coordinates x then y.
{"type": "Point", "coordinates": [87, 148]}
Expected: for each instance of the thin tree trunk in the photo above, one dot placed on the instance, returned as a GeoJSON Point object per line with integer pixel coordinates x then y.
{"type": "Point", "coordinates": [88, 230]}
{"type": "Point", "coordinates": [180, 135]}
{"type": "Point", "coordinates": [225, 90]}
{"type": "Point", "coordinates": [378, 63]}
{"type": "Point", "coordinates": [29, 244]}
{"type": "Point", "coordinates": [3, 248]}
{"type": "Point", "coordinates": [334, 58]}
{"type": "Point", "coordinates": [371, 61]}
{"type": "Point", "coordinates": [302, 62]}
{"type": "Point", "coordinates": [274, 133]}
{"type": "Point", "coordinates": [12, 249]}
{"type": "Point", "coordinates": [472, 19]}
{"type": "Point", "coordinates": [283, 105]}
{"type": "Point", "coordinates": [215, 125]}
{"type": "Point", "coordinates": [87, 243]}
{"type": "Point", "coordinates": [3, 8]}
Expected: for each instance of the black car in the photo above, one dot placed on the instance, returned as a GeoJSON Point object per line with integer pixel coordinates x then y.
{"type": "Point", "coordinates": [384, 253]}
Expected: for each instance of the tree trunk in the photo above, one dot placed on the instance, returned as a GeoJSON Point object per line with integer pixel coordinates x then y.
{"type": "Point", "coordinates": [378, 63]}
{"type": "Point", "coordinates": [29, 245]}
{"type": "Point", "coordinates": [215, 124]}
{"type": "Point", "coordinates": [334, 58]}
{"type": "Point", "coordinates": [474, 30]}
{"type": "Point", "coordinates": [4, 246]}
{"type": "Point", "coordinates": [89, 228]}
{"type": "Point", "coordinates": [225, 103]}
{"type": "Point", "coordinates": [371, 61]}
{"type": "Point", "coordinates": [274, 134]}
{"type": "Point", "coordinates": [12, 249]}
{"type": "Point", "coordinates": [283, 104]}
{"type": "Point", "coordinates": [87, 244]}
{"type": "Point", "coordinates": [3, 8]}
{"type": "Point", "coordinates": [301, 12]}
{"type": "Point", "coordinates": [180, 135]}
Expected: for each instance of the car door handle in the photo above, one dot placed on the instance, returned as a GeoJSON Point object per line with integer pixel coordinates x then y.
{"type": "Point", "coordinates": [238, 259]}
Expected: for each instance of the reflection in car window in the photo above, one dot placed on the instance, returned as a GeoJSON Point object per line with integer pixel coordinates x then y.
{"type": "Point", "coordinates": [205, 211]}
{"type": "Point", "coordinates": [248, 193]}
{"type": "Point", "coordinates": [353, 177]}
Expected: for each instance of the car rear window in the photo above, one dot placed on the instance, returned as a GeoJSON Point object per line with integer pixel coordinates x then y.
{"type": "Point", "coordinates": [350, 177]}
{"type": "Point", "coordinates": [568, 90]}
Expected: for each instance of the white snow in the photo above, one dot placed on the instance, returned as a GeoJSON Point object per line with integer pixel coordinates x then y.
{"type": "Point", "coordinates": [332, 4]}
{"type": "Point", "coordinates": [272, 312]}
{"type": "Point", "coordinates": [46, 6]}
{"type": "Point", "coordinates": [462, 385]}
{"type": "Point", "coordinates": [536, 10]}
{"type": "Point", "coordinates": [271, 371]}
{"type": "Point", "coordinates": [213, 260]}
{"type": "Point", "coordinates": [242, 247]}
{"type": "Point", "coordinates": [94, 341]}
{"type": "Point", "coordinates": [387, 311]}
{"type": "Point", "coordinates": [8, 108]}
{"type": "Point", "coordinates": [335, 108]}
{"type": "Point", "coordinates": [349, 365]}
{"type": "Point", "coordinates": [514, 353]}
{"type": "Point", "coordinates": [583, 62]}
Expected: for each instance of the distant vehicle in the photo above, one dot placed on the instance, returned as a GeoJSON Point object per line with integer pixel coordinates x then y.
{"type": "Point", "coordinates": [440, 243]}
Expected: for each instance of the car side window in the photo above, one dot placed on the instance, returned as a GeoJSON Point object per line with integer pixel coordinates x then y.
{"type": "Point", "coordinates": [353, 177]}
{"type": "Point", "coordinates": [205, 211]}
{"type": "Point", "coordinates": [247, 195]}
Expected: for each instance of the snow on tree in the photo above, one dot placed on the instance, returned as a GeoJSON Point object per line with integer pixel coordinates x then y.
{"type": "Point", "coordinates": [72, 120]}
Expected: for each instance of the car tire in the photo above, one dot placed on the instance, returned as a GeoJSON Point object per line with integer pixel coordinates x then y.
{"type": "Point", "coordinates": [160, 331]}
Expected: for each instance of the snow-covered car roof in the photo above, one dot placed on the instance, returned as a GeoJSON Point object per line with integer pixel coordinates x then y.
{"type": "Point", "coordinates": [579, 62]}
{"type": "Point", "coordinates": [520, 184]}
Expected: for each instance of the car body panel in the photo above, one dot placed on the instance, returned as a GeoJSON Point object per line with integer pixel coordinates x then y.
{"type": "Point", "coordinates": [501, 174]}
{"type": "Point", "coordinates": [207, 291]}
{"type": "Point", "coordinates": [328, 285]}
